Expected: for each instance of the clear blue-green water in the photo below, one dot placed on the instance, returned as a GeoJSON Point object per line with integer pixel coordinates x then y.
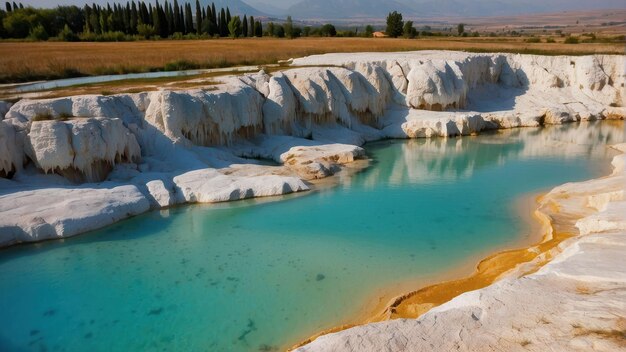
{"type": "Point", "coordinates": [251, 276]}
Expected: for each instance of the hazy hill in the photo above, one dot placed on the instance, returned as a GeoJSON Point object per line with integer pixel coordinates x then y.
{"type": "Point", "coordinates": [237, 7]}
{"type": "Point", "coordinates": [341, 9]}
{"type": "Point", "coordinates": [336, 9]}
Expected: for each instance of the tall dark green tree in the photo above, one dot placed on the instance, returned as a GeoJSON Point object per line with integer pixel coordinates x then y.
{"type": "Point", "coordinates": [244, 26]}
{"type": "Point", "coordinates": [234, 27]}
{"type": "Point", "coordinates": [198, 17]}
{"type": "Point", "coordinates": [188, 19]}
{"type": "Point", "coordinates": [208, 24]}
{"type": "Point", "coordinates": [145, 14]}
{"type": "Point", "coordinates": [223, 23]}
{"type": "Point", "coordinates": [258, 29]}
{"type": "Point", "coordinates": [133, 18]}
{"type": "Point", "coordinates": [169, 19]}
{"type": "Point", "coordinates": [394, 24]}
{"type": "Point", "coordinates": [251, 27]}
{"type": "Point", "coordinates": [176, 17]}
{"type": "Point", "coordinates": [181, 19]}
{"type": "Point", "coordinates": [408, 31]}
{"type": "Point", "coordinates": [214, 13]}
{"type": "Point", "coordinates": [289, 28]}
{"type": "Point", "coordinates": [156, 19]}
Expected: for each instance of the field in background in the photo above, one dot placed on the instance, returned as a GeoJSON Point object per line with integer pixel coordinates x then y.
{"type": "Point", "coordinates": [27, 61]}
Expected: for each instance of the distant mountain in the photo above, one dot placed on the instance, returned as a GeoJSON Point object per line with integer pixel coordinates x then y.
{"type": "Point", "coordinates": [339, 9]}
{"type": "Point", "coordinates": [347, 9]}
{"type": "Point", "coordinates": [268, 8]}
{"type": "Point", "coordinates": [237, 7]}
{"type": "Point", "coordinates": [477, 8]}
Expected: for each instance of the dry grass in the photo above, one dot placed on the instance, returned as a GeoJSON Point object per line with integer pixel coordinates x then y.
{"type": "Point", "coordinates": [24, 61]}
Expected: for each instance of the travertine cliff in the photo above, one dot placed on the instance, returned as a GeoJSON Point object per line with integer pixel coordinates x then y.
{"type": "Point", "coordinates": [309, 120]}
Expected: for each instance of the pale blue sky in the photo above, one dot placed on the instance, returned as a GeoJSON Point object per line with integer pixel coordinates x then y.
{"type": "Point", "coordinates": [53, 3]}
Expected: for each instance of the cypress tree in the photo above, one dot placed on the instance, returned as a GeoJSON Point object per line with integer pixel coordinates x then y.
{"type": "Point", "coordinates": [15, 7]}
{"type": "Point", "coordinates": [133, 18]}
{"type": "Point", "coordinates": [208, 20]}
{"type": "Point", "coordinates": [251, 27]}
{"type": "Point", "coordinates": [104, 24]}
{"type": "Point", "coordinates": [7, 5]}
{"type": "Point", "coordinates": [87, 15]}
{"type": "Point", "coordinates": [228, 17]}
{"type": "Point", "coordinates": [188, 19]}
{"type": "Point", "coordinates": [198, 17]}
{"type": "Point", "coordinates": [181, 19]}
{"type": "Point", "coordinates": [176, 16]}
{"type": "Point", "coordinates": [223, 23]}
{"type": "Point", "coordinates": [129, 15]}
{"type": "Point", "coordinates": [156, 18]}
{"type": "Point", "coordinates": [170, 19]}
{"type": "Point", "coordinates": [244, 26]}
{"type": "Point", "coordinates": [214, 12]}
{"type": "Point", "coordinates": [258, 29]}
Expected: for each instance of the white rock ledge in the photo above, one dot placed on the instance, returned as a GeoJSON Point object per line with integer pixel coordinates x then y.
{"type": "Point", "coordinates": [49, 213]}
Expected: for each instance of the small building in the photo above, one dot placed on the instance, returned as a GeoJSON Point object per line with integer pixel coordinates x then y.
{"type": "Point", "coordinates": [379, 35]}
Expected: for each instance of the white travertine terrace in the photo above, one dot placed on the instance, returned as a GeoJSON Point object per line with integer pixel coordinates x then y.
{"type": "Point", "coordinates": [182, 146]}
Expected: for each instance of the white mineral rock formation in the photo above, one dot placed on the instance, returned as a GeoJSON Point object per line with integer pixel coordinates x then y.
{"type": "Point", "coordinates": [89, 146]}
{"type": "Point", "coordinates": [187, 146]}
{"type": "Point", "coordinates": [10, 150]}
{"type": "Point", "coordinates": [210, 186]}
{"type": "Point", "coordinates": [49, 213]}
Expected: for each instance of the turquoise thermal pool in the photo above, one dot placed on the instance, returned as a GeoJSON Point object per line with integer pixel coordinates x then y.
{"type": "Point", "coordinates": [260, 275]}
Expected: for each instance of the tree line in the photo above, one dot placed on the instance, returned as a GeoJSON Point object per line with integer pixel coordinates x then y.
{"type": "Point", "coordinates": [170, 19]}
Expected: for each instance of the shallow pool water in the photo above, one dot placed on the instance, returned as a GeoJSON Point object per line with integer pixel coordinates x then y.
{"type": "Point", "coordinates": [249, 276]}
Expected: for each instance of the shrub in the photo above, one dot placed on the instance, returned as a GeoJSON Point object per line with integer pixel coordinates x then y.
{"type": "Point", "coordinates": [571, 40]}
{"type": "Point", "coordinates": [67, 35]}
{"type": "Point", "coordinates": [146, 30]}
{"type": "Point", "coordinates": [38, 33]}
{"type": "Point", "coordinates": [328, 30]}
{"type": "Point", "coordinates": [180, 65]}
{"type": "Point", "coordinates": [550, 40]}
{"type": "Point", "coordinates": [533, 40]}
